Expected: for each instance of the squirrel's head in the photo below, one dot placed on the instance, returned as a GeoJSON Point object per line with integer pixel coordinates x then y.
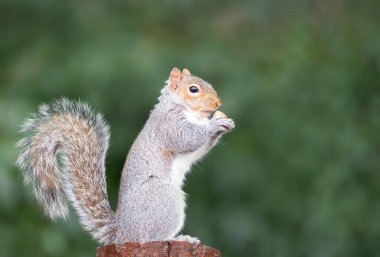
{"type": "Point", "coordinates": [195, 93]}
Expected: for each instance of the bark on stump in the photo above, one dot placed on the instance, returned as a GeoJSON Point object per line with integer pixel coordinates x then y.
{"type": "Point", "coordinates": [157, 249]}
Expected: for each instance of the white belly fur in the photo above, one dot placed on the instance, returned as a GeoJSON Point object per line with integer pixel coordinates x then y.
{"type": "Point", "coordinates": [179, 167]}
{"type": "Point", "coordinates": [182, 164]}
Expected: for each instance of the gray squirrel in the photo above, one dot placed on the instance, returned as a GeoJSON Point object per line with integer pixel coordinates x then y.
{"type": "Point", "coordinates": [151, 205]}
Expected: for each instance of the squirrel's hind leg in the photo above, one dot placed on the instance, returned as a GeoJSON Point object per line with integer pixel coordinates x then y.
{"type": "Point", "coordinates": [189, 239]}
{"type": "Point", "coordinates": [154, 210]}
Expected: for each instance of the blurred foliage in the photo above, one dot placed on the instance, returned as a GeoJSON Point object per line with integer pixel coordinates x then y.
{"type": "Point", "coordinates": [300, 174]}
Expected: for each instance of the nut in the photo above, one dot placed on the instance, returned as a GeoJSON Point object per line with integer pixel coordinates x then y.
{"type": "Point", "coordinates": [219, 114]}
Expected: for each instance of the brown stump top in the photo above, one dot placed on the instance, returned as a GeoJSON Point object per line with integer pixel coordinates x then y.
{"type": "Point", "coordinates": [157, 249]}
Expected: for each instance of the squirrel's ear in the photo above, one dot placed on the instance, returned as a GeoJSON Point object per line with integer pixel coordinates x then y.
{"type": "Point", "coordinates": [175, 78]}
{"type": "Point", "coordinates": [186, 72]}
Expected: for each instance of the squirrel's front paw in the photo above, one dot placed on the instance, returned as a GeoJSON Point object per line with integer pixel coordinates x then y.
{"type": "Point", "coordinates": [224, 124]}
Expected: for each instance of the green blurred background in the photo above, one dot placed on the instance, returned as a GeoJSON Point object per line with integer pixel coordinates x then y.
{"type": "Point", "coordinates": [300, 174]}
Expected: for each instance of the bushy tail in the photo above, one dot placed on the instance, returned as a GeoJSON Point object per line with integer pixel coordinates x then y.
{"type": "Point", "coordinates": [82, 139]}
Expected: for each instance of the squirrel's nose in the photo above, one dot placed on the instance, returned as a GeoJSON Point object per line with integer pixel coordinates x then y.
{"type": "Point", "coordinates": [218, 102]}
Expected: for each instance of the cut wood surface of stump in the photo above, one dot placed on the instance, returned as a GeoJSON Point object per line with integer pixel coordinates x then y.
{"type": "Point", "coordinates": [157, 249]}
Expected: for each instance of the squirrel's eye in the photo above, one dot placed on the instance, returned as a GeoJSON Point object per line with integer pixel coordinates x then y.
{"type": "Point", "coordinates": [194, 89]}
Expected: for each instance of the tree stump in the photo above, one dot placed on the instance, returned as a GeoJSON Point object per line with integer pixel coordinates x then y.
{"type": "Point", "coordinates": [157, 249]}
